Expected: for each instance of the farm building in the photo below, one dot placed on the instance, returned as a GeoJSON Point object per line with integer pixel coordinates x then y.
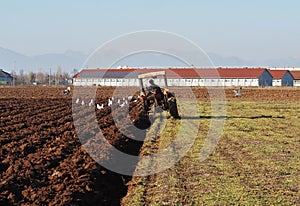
{"type": "Point", "coordinates": [177, 77]}
{"type": "Point", "coordinates": [111, 77]}
{"type": "Point", "coordinates": [245, 77]}
{"type": "Point", "coordinates": [296, 75]}
{"type": "Point", "coordinates": [282, 78]}
{"type": "Point", "coordinates": [5, 78]}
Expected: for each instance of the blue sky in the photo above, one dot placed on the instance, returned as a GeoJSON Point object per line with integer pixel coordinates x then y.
{"type": "Point", "coordinates": [246, 29]}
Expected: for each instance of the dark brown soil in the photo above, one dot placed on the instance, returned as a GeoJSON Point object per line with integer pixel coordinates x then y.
{"type": "Point", "coordinates": [42, 161]}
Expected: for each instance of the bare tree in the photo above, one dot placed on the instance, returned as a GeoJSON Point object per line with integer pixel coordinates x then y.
{"type": "Point", "coordinates": [75, 71]}
{"type": "Point", "coordinates": [58, 76]}
{"type": "Point", "coordinates": [14, 76]}
{"type": "Point", "coordinates": [30, 78]}
{"type": "Point", "coordinates": [21, 77]}
{"type": "Point", "coordinates": [41, 78]}
{"type": "Point", "coordinates": [65, 75]}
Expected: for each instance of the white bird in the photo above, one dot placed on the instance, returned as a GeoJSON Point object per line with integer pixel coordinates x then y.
{"type": "Point", "coordinates": [122, 105]}
{"type": "Point", "coordinates": [100, 107]}
{"type": "Point", "coordinates": [238, 93]}
{"type": "Point", "coordinates": [119, 101]}
{"type": "Point", "coordinates": [77, 101]}
{"type": "Point", "coordinates": [67, 91]}
{"type": "Point", "coordinates": [129, 98]}
{"type": "Point", "coordinates": [82, 103]}
{"type": "Point", "coordinates": [91, 102]}
{"type": "Point", "coordinates": [110, 102]}
{"type": "Point", "coordinates": [126, 102]}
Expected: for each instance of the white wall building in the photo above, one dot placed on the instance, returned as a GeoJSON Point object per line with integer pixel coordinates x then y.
{"type": "Point", "coordinates": [282, 78]}
{"type": "Point", "coordinates": [296, 75]}
{"type": "Point", "coordinates": [177, 77]}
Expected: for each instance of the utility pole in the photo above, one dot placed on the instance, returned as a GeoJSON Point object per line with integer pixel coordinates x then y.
{"type": "Point", "coordinates": [35, 78]}
{"type": "Point", "coordinates": [13, 74]}
{"type": "Point", "coordinates": [50, 77]}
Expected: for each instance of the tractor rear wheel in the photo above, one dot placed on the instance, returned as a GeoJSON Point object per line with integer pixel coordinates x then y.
{"type": "Point", "coordinates": [173, 107]}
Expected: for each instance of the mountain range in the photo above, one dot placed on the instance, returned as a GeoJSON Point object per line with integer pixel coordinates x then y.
{"type": "Point", "coordinates": [11, 60]}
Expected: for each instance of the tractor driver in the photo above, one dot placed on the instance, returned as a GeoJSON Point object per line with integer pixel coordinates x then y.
{"type": "Point", "coordinates": [154, 91]}
{"type": "Point", "coordinates": [153, 87]}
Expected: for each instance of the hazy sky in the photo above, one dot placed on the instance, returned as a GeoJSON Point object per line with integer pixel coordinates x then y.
{"type": "Point", "coordinates": [255, 29]}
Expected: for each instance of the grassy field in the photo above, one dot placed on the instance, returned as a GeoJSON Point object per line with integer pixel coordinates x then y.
{"type": "Point", "coordinates": [256, 161]}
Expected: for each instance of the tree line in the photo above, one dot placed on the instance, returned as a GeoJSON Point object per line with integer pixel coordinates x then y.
{"type": "Point", "coordinates": [57, 77]}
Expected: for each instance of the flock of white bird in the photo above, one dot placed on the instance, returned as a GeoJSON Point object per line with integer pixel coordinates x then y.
{"type": "Point", "coordinates": [119, 102]}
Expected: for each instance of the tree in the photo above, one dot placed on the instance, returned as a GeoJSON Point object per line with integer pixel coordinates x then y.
{"type": "Point", "coordinates": [30, 78]}
{"type": "Point", "coordinates": [21, 77]}
{"type": "Point", "coordinates": [14, 75]}
{"type": "Point", "coordinates": [75, 71]}
{"type": "Point", "coordinates": [41, 78]}
{"type": "Point", "coordinates": [58, 76]}
{"type": "Point", "coordinates": [65, 75]}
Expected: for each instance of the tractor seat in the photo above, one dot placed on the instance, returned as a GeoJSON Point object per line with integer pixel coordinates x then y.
{"type": "Point", "coordinates": [159, 96]}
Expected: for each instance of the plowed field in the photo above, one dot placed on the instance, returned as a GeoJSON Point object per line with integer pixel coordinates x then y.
{"type": "Point", "coordinates": [41, 158]}
{"type": "Point", "coordinates": [42, 161]}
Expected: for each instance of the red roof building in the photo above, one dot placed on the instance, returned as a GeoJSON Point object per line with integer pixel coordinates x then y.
{"type": "Point", "coordinates": [296, 75]}
{"type": "Point", "coordinates": [181, 76]}
{"type": "Point", "coordinates": [278, 74]}
{"type": "Point", "coordinates": [282, 78]}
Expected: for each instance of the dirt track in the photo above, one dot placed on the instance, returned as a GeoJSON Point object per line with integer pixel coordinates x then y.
{"type": "Point", "coordinates": [41, 158]}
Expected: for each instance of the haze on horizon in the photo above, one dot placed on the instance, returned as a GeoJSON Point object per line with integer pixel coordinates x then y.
{"type": "Point", "coordinates": [252, 30]}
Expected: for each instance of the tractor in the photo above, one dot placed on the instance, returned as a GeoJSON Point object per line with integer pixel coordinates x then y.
{"type": "Point", "coordinates": [160, 97]}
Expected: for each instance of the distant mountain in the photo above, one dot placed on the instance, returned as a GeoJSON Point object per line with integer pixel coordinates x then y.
{"type": "Point", "coordinates": [10, 60]}
{"type": "Point", "coordinates": [67, 61]}
{"type": "Point", "coordinates": [238, 62]}
{"type": "Point", "coordinates": [288, 62]}
{"type": "Point", "coordinates": [229, 61]}
{"type": "Point", "coordinates": [73, 60]}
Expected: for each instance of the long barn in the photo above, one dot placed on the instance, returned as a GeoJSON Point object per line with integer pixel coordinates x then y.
{"type": "Point", "coordinates": [177, 77]}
